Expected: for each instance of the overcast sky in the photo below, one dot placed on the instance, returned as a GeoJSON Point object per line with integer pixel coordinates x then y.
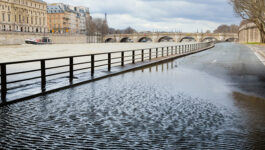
{"type": "Point", "coordinates": [161, 15]}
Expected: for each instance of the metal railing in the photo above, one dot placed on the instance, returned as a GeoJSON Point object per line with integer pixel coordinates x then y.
{"type": "Point", "coordinates": [86, 63]}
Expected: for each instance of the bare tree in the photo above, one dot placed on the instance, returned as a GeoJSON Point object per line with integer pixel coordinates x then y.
{"type": "Point", "coordinates": [227, 29]}
{"type": "Point", "coordinates": [208, 31]}
{"type": "Point", "coordinates": [129, 30]}
{"type": "Point", "coordinates": [243, 22]}
{"type": "Point", "coordinates": [234, 28]}
{"type": "Point", "coordinates": [101, 26]}
{"type": "Point", "coordinates": [90, 27]}
{"type": "Point", "coordinates": [252, 10]}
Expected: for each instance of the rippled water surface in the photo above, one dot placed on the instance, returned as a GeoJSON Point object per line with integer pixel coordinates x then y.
{"type": "Point", "coordinates": [183, 104]}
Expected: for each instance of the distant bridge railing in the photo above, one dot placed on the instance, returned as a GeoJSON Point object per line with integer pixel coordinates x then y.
{"type": "Point", "coordinates": [24, 75]}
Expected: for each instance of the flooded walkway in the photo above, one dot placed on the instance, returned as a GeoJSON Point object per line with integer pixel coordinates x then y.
{"type": "Point", "coordinates": [210, 100]}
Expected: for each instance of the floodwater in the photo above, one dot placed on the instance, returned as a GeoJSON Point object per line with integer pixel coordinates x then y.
{"type": "Point", "coordinates": [29, 52]}
{"type": "Point", "coordinates": [210, 100]}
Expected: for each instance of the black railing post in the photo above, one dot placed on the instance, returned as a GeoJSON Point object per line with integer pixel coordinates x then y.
{"type": "Point", "coordinates": [133, 57]}
{"type": "Point", "coordinates": [43, 75]}
{"type": "Point", "coordinates": [122, 58]}
{"type": "Point", "coordinates": [109, 61]}
{"type": "Point", "coordinates": [181, 49]}
{"type": "Point", "coordinates": [156, 52]}
{"type": "Point", "coordinates": [162, 51]}
{"type": "Point", "coordinates": [150, 54]}
{"type": "Point", "coordinates": [71, 69]}
{"type": "Point", "coordinates": [3, 83]}
{"type": "Point", "coordinates": [172, 48]}
{"type": "Point", "coordinates": [167, 50]}
{"type": "Point", "coordinates": [92, 65]}
{"type": "Point", "coordinates": [142, 55]}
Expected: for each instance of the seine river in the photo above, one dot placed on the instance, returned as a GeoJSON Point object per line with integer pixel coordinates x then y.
{"type": "Point", "coordinates": [28, 52]}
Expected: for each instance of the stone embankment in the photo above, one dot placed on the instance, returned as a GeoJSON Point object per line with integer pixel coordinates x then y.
{"type": "Point", "coordinates": [249, 33]}
{"type": "Point", "coordinates": [14, 38]}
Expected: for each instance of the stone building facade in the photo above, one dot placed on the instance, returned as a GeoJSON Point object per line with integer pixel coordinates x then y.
{"type": "Point", "coordinates": [64, 18]}
{"type": "Point", "coordinates": [23, 16]}
{"type": "Point", "coordinates": [82, 15]}
{"type": "Point", "coordinates": [249, 33]}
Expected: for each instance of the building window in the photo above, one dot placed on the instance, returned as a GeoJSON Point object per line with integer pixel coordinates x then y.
{"type": "Point", "coordinates": [8, 17]}
{"type": "Point", "coordinates": [3, 17]}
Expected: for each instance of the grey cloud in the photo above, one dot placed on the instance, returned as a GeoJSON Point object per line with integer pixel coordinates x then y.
{"type": "Point", "coordinates": [155, 11]}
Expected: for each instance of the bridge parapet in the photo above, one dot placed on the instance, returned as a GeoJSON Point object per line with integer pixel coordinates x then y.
{"type": "Point", "coordinates": [170, 36]}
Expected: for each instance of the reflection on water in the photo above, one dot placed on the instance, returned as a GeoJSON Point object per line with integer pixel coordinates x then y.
{"type": "Point", "coordinates": [167, 106]}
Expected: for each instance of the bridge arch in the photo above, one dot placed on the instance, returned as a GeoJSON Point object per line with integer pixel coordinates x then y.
{"type": "Point", "coordinates": [166, 39]}
{"type": "Point", "coordinates": [188, 39]}
{"type": "Point", "coordinates": [231, 39]}
{"type": "Point", "coordinates": [109, 40]}
{"type": "Point", "coordinates": [126, 40]}
{"type": "Point", "coordinates": [209, 39]}
{"type": "Point", "coordinates": [145, 39]}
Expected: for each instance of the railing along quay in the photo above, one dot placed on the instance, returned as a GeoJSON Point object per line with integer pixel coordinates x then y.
{"type": "Point", "coordinates": [71, 65]}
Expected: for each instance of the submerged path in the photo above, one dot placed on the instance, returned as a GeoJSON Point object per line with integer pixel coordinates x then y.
{"type": "Point", "coordinates": [213, 99]}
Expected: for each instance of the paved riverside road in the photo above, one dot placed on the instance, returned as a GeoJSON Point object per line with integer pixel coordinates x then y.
{"type": "Point", "coordinates": [210, 100]}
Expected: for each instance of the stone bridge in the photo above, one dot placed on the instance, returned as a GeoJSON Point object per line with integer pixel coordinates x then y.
{"type": "Point", "coordinates": [171, 37]}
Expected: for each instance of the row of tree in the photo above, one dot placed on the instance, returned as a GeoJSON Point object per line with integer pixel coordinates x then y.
{"type": "Point", "coordinates": [227, 29]}
{"type": "Point", "coordinates": [100, 26]}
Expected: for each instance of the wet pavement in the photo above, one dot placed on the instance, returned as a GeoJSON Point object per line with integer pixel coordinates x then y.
{"type": "Point", "coordinates": [210, 100]}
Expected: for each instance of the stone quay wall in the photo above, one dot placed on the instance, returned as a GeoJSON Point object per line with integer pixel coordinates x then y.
{"type": "Point", "coordinates": [13, 38]}
{"type": "Point", "coordinates": [249, 33]}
